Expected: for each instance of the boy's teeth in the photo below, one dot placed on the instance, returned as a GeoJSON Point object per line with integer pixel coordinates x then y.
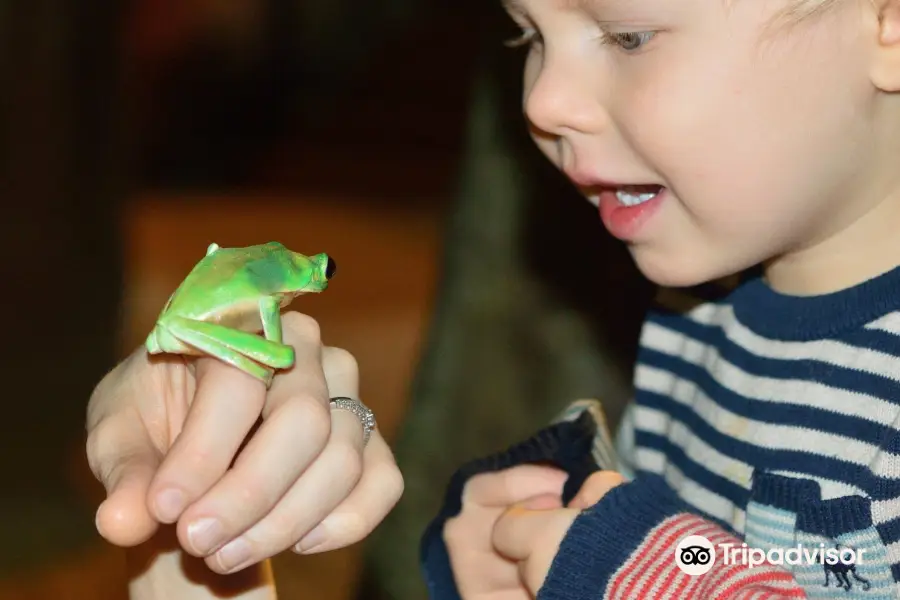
{"type": "Point", "coordinates": [634, 198]}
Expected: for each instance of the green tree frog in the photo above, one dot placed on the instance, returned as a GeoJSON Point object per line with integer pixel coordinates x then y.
{"type": "Point", "coordinates": [229, 296]}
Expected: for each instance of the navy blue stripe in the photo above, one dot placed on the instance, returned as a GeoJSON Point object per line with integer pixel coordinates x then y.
{"type": "Point", "coordinates": [692, 329]}
{"type": "Point", "coordinates": [771, 411]}
{"type": "Point", "coordinates": [889, 531]}
{"type": "Point", "coordinates": [820, 371]}
{"type": "Point", "coordinates": [809, 463]}
{"type": "Point", "coordinates": [698, 510]}
{"type": "Point", "coordinates": [863, 338]}
{"type": "Point", "coordinates": [693, 470]}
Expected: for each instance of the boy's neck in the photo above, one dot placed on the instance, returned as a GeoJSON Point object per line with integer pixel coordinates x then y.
{"type": "Point", "coordinates": [868, 247]}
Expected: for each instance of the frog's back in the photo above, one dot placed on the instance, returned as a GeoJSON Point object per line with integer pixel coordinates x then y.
{"type": "Point", "coordinates": [227, 277]}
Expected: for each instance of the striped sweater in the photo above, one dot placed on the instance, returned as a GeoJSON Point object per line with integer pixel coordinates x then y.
{"type": "Point", "coordinates": [767, 424]}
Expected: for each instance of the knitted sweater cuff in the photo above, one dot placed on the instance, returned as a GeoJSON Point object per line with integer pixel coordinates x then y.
{"type": "Point", "coordinates": [605, 536]}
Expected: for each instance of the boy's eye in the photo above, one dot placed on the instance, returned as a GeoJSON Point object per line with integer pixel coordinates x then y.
{"type": "Point", "coordinates": [628, 41]}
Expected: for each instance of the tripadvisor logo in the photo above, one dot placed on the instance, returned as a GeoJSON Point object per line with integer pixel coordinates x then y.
{"type": "Point", "coordinates": [695, 555]}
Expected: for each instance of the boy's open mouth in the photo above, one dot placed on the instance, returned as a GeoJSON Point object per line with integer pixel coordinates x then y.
{"type": "Point", "coordinates": [633, 195]}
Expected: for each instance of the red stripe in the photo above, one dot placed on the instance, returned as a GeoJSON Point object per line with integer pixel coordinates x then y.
{"type": "Point", "coordinates": [649, 551]}
{"type": "Point", "coordinates": [669, 564]}
{"type": "Point", "coordinates": [715, 577]}
{"type": "Point", "coordinates": [675, 583]}
{"type": "Point", "coordinates": [766, 576]}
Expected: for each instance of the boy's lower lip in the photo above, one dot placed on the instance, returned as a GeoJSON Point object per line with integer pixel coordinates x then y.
{"type": "Point", "coordinates": [622, 221]}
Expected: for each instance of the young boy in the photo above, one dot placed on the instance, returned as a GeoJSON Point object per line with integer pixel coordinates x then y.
{"type": "Point", "coordinates": [716, 138]}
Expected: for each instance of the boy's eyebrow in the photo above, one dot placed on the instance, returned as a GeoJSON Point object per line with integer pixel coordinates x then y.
{"type": "Point", "coordinates": [516, 5]}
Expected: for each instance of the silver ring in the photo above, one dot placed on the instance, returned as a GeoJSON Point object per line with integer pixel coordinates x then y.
{"type": "Point", "coordinates": [365, 414]}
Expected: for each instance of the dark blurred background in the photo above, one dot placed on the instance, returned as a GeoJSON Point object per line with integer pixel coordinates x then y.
{"type": "Point", "coordinates": [478, 292]}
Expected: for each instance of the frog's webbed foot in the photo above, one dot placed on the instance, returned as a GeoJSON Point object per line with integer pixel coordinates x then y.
{"type": "Point", "coordinates": [248, 352]}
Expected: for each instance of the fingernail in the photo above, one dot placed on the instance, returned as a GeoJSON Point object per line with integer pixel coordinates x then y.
{"type": "Point", "coordinates": [169, 504]}
{"type": "Point", "coordinates": [205, 534]}
{"type": "Point", "coordinates": [233, 554]}
{"type": "Point", "coordinates": [314, 538]}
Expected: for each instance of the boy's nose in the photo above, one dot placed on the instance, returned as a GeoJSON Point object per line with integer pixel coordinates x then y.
{"type": "Point", "coordinates": [560, 101]}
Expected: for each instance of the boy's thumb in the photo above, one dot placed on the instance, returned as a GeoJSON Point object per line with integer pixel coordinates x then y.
{"type": "Point", "coordinates": [124, 460]}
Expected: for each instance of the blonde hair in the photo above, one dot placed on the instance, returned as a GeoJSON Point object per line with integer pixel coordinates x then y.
{"type": "Point", "coordinates": [803, 9]}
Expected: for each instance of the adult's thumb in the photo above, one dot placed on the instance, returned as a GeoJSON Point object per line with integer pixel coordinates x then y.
{"type": "Point", "coordinates": [124, 460]}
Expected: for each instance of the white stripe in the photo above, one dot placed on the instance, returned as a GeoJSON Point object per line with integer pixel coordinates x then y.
{"type": "Point", "coordinates": [761, 434]}
{"type": "Point", "coordinates": [893, 552]}
{"type": "Point", "coordinates": [885, 510]}
{"type": "Point", "coordinates": [659, 423]}
{"type": "Point", "coordinates": [778, 515]}
{"type": "Point", "coordinates": [889, 323]}
{"type": "Point", "coordinates": [649, 460]}
{"type": "Point", "coordinates": [767, 534]}
{"type": "Point", "coordinates": [830, 351]}
{"type": "Point", "coordinates": [787, 391]}
{"type": "Point", "coordinates": [690, 491]}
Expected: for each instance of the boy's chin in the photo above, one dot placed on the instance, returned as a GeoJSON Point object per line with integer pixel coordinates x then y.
{"type": "Point", "coordinates": [681, 269]}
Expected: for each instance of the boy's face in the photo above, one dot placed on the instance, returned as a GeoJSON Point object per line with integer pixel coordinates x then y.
{"type": "Point", "coordinates": [757, 133]}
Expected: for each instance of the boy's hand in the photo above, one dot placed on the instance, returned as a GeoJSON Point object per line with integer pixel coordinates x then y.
{"type": "Point", "coordinates": [531, 535]}
{"type": "Point", "coordinates": [168, 439]}
{"type": "Point", "coordinates": [510, 527]}
{"type": "Point", "coordinates": [480, 572]}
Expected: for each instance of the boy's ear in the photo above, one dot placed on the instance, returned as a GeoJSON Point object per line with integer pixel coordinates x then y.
{"type": "Point", "coordinates": [886, 68]}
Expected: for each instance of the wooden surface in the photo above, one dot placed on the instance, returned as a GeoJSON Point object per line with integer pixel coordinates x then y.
{"type": "Point", "coordinates": [377, 307]}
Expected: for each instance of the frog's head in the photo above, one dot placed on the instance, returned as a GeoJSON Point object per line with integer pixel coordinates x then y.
{"type": "Point", "coordinates": [315, 270]}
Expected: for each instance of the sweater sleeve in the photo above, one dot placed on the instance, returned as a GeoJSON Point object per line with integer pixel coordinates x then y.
{"type": "Point", "coordinates": [621, 548]}
{"type": "Point", "coordinates": [568, 444]}
{"type": "Point", "coordinates": [625, 547]}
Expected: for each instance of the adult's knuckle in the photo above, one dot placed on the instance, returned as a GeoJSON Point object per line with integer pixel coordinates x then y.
{"type": "Point", "coordinates": [310, 415]}
{"type": "Point", "coordinates": [98, 445]}
{"type": "Point", "coordinates": [302, 325]}
{"type": "Point", "coordinates": [198, 457]}
{"type": "Point", "coordinates": [281, 528]}
{"type": "Point", "coordinates": [347, 460]}
{"type": "Point", "coordinates": [339, 360]}
{"type": "Point", "coordinates": [353, 527]}
{"type": "Point", "coordinates": [251, 492]}
{"type": "Point", "coordinates": [394, 483]}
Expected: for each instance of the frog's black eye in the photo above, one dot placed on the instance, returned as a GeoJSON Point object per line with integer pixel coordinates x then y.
{"type": "Point", "coordinates": [330, 268]}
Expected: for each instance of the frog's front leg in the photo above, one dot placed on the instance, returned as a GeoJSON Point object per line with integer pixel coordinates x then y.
{"type": "Point", "coordinates": [270, 316]}
{"type": "Point", "coordinates": [246, 351]}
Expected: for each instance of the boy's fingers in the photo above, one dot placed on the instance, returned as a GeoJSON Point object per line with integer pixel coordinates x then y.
{"type": "Point", "coordinates": [503, 488]}
{"type": "Point", "coordinates": [519, 532]}
{"type": "Point", "coordinates": [124, 460]}
{"type": "Point", "coordinates": [595, 487]}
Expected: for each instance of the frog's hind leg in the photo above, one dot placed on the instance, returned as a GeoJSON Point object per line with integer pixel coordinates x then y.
{"type": "Point", "coordinates": [246, 351]}
{"type": "Point", "coordinates": [213, 347]}
{"type": "Point", "coordinates": [271, 354]}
